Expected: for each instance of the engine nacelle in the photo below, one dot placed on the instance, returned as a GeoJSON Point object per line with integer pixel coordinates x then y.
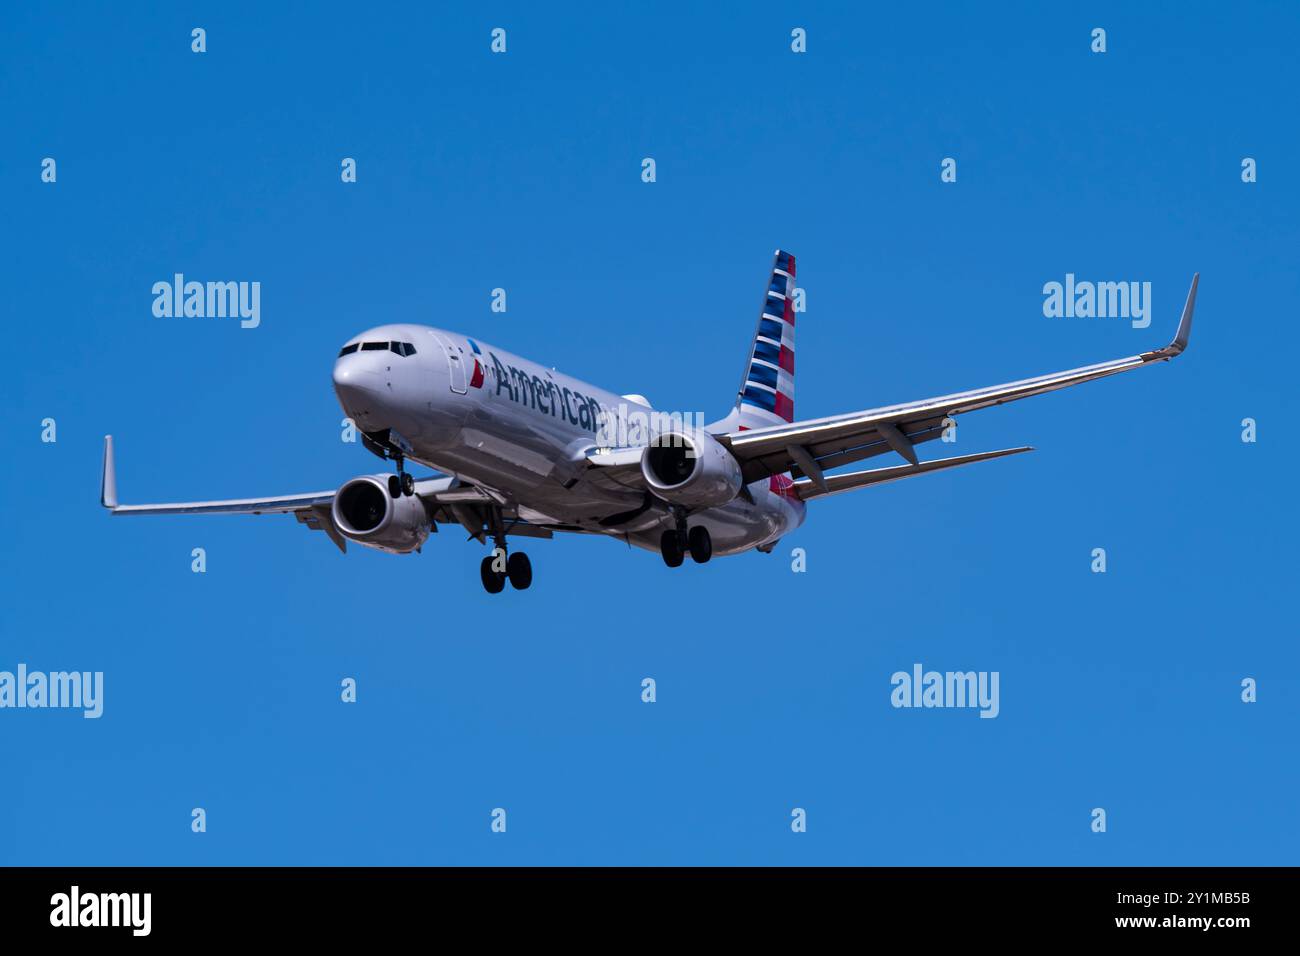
{"type": "Point", "coordinates": [366, 513]}
{"type": "Point", "coordinates": [692, 470]}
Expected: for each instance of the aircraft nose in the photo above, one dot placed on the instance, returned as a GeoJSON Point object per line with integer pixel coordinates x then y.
{"type": "Point", "coordinates": [349, 374]}
{"type": "Point", "coordinates": [360, 390]}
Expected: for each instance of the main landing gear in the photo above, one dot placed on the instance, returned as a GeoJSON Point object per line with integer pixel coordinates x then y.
{"type": "Point", "coordinates": [401, 483]}
{"type": "Point", "coordinates": [675, 544]}
{"type": "Point", "coordinates": [497, 568]}
{"type": "Point", "coordinates": [518, 571]}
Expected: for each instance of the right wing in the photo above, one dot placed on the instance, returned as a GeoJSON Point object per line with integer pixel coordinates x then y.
{"type": "Point", "coordinates": [812, 447]}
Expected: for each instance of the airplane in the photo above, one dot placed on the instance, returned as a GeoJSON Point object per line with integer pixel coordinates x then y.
{"type": "Point", "coordinates": [524, 451]}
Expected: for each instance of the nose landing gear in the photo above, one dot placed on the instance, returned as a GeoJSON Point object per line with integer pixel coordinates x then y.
{"type": "Point", "coordinates": [402, 483]}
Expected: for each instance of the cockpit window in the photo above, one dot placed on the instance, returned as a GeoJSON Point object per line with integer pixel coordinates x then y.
{"type": "Point", "coordinates": [397, 348]}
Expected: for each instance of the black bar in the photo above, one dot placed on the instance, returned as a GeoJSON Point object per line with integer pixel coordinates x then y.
{"type": "Point", "coordinates": [207, 905]}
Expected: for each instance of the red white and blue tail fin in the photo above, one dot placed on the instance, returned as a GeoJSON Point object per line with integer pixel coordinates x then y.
{"type": "Point", "coordinates": [766, 395]}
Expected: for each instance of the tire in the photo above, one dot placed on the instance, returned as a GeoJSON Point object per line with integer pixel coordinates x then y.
{"type": "Point", "coordinates": [394, 486]}
{"type": "Point", "coordinates": [408, 483]}
{"type": "Point", "coordinates": [670, 546]}
{"type": "Point", "coordinates": [520, 571]}
{"type": "Point", "coordinates": [494, 582]}
{"type": "Point", "coordinates": [700, 543]}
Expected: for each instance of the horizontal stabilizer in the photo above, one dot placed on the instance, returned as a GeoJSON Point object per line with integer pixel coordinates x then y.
{"type": "Point", "coordinates": [834, 484]}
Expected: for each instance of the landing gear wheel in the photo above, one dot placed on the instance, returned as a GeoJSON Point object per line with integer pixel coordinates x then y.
{"type": "Point", "coordinates": [701, 544]}
{"type": "Point", "coordinates": [394, 486]}
{"type": "Point", "coordinates": [494, 581]}
{"type": "Point", "coordinates": [520, 571]}
{"type": "Point", "coordinates": [408, 483]}
{"type": "Point", "coordinates": [670, 546]}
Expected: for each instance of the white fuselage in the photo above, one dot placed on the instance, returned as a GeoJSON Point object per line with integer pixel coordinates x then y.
{"type": "Point", "coordinates": [504, 423]}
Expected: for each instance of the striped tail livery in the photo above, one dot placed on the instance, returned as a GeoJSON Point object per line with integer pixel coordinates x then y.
{"type": "Point", "coordinates": [766, 395]}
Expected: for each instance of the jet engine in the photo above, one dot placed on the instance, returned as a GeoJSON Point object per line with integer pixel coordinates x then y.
{"type": "Point", "coordinates": [692, 470]}
{"type": "Point", "coordinates": [366, 513]}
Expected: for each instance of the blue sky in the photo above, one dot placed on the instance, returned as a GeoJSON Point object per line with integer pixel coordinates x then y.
{"type": "Point", "coordinates": [1118, 690]}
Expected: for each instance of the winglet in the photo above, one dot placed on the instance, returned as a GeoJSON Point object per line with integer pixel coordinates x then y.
{"type": "Point", "coordinates": [108, 480]}
{"type": "Point", "coordinates": [1184, 328]}
{"type": "Point", "coordinates": [1185, 323]}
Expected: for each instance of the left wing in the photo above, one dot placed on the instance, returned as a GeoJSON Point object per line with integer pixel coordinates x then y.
{"type": "Point", "coordinates": [811, 447]}
{"type": "Point", "coordinates": [447, 500]}
{"type": "Point", "coordinates": [311, 508]}
{"type": "Point", "coordinates": [236, 506]}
